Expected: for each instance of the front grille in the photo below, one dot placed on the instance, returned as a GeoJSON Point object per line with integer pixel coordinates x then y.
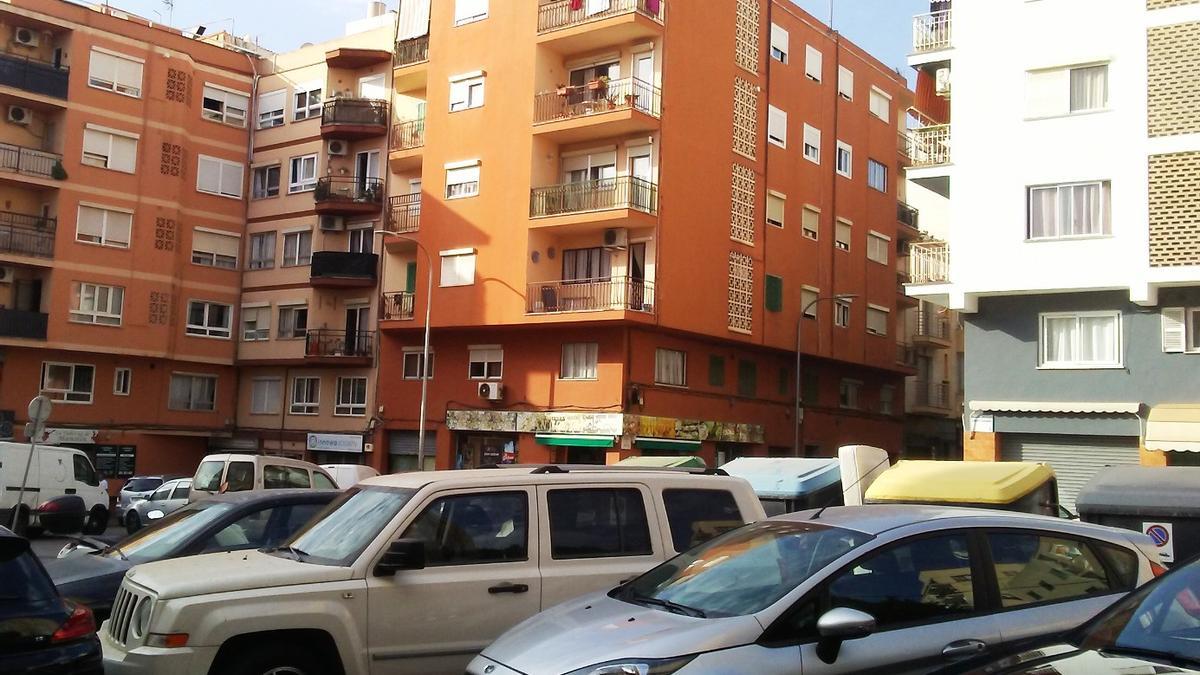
{"type": "Point", "coordinates": [122, 614]}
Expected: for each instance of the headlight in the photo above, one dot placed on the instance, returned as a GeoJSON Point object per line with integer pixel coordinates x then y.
{"type": "Point", "coordinates": [155, 514]}
{"type": "Point", "coordinates": [141, 617]}
{"type": "Point", "coordinates": [636, 667]}
{"type": "Point", "coordinates": [134, 500]}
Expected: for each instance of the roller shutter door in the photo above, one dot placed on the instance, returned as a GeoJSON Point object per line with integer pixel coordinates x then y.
{"type": "Point", "coordinates": [1075, 459]}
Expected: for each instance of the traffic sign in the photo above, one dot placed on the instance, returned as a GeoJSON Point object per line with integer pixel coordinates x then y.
{"type": "Point", "coordinates": [39, 409]}
{"type": "Point", "coordinates": [1163, 535]}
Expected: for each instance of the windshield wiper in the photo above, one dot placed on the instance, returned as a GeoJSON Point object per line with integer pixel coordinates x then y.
{"type": "Point", "coordinates": [669, 606]}
{"type": "Point", "coordinates": [1172, 658]}
{"type": "Point", "coordinates": [297, 554]}
{"type": "Point", "coordinates": [117, 549]}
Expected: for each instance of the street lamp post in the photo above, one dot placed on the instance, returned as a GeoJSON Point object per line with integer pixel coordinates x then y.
{"type": "Point", "coordinates": [423, 371]}
{"type": "Point", "coordinates": [799, 400]}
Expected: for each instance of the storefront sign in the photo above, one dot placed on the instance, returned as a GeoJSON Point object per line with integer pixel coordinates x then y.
{"type": "Point", "coordinates": [335, 443]}
{"type": "Point", "coordinates": [698, 430]}
{"type": "Point", "coordinates": [71, 436]}
{"type": "Point", "coordinates": [115, 461]}
{"type": "Point", "coordinates": [602, 424]}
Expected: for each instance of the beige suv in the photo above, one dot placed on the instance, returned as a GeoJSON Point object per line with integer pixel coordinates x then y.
{"type": "Point", "coordinates": [416, 572]}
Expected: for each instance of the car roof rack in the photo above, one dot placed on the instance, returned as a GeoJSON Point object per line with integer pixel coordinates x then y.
{"type": "Point", "coordinates": [568, 468]}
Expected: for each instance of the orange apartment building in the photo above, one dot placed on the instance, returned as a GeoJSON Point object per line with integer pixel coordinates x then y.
{"type": "Point", "coordinates": [624, 206]}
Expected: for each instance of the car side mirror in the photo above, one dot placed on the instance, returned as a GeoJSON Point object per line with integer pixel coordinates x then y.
{"type": "Point", "coordinates": [402, 554]}
{"type": "Point", "coordinates": [838, 625]}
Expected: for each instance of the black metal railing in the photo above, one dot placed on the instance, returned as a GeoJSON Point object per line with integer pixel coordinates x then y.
{"type": "Point", "coordinates": [27, 235]}
{"type": "Point", "coordinates": [33, 75]}
{"type": "Point", "coordinates": [932, 394]}
{"type": "Point", "coordinates": [907, 214]}
{"type": "Point", "coordinates": [367, 112]}
{"type": "Point", "coordinates": [28, 160]}
{"type": "Point", "coordinates": [325, 343]}
{"type": "Point", "coordinates": [408, 135]}
{"type": "Point", "coordinates": [15, 323]}
{"type": "Point", "coordinates": [412, 50]}
{"type": "Point", "coordinates": [598, 96]}
{"type": "Point", "coordinates": [398, 306]}
{"type": "Point", "coordinates": [589, 295]}
{"type": "Point", "coordinates": [349, 189]}
{"type": "Point", "coordinates": [404, 213]}
{"type": "Point", "coordinates": [342, 265]}
{"type": "Point", "coordinates": [622, 192]}
{"type": "Point", "coordinates": [566, 13]}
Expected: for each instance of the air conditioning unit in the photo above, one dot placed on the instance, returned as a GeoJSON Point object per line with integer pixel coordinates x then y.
{"type": "Point", "coordinates": [337, 148]}
{"type": "Point", "coordinates": [19, 114]}
{"type": "Point", "coordinates": [616, 237]}
{"type": "Point", "coordinates": [491, 391]}
{"type": "Point", "coordinates": [6, 275]}
{"type": "Point", "coordinates": [942, 82]}
{"type": "Point", "coordinates": [25, 36]}
{"type": "Point", "coordinates": [332, 223]}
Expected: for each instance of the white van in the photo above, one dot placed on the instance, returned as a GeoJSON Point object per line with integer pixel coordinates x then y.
{"type": "Point", "coordinates": [349, 475]}
{"type": "Point", "coordinates": [238, 473]}
{"type": "Point", "coordinates": [54, 471]}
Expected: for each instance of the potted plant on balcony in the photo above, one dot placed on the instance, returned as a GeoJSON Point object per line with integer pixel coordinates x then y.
{"type": "Point", "coordinates": [600, 84]}
{"type": "Point", "coordinates": [562, 89]}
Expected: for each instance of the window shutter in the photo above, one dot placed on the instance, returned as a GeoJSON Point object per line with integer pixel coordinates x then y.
{"type": "Point", "coordinates": [845, 82]}
{"type": "Point", "coordinates": [124, 154]}
{"type": "Point", "coordinates": [90, 223]}
{"type": "Point", "coordinates": [812, 62]}
{"type": "Point", "coordinates": [1174, 331]}
{"type": "Point", "coordinates": [129, 75]}
{"type": "Point", "coordinates": [211, 242]}
{"type": "Point", "coordinates": [779, 39]}
{"type": "Point", "coordinates": [208, 175]}
{"type": "Point", "coordinates": [271, 101]}
{"type": "Point", "coordinates": [95, 142]}
{"type": "Point", "coordinates": [231, 179]}
{"type": "Point", "coordinates": [102, 67]}
{"type": "Point", "coordinates": [775, 208]}
{"type": "Point", "coordinates": [458, 93]}
{"type": "Point", "coordinates": [774, 293]}
{"type": "Point", "coordinates": [119, 225]}
{"type": "Point", "coordinates": [777, 124]}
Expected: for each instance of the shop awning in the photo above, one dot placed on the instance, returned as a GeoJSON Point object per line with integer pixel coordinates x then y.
{"type": "Point", "coordinates": [673, 461]}
{"type": "Point", "coordinates": [575, 440]}
{"type": "Point", "coordinates": [1174, 428]}
{"type": "Point", "coordinates": [668, 444]}
{"type": "Point", "coordinates": [1076, 407]}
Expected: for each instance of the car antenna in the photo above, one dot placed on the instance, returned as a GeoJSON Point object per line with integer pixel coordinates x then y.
{"type": "Point", "coordinates": [847, 488]}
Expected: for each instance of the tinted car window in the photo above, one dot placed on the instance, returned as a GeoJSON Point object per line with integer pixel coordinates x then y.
{"type": "Point", "coordinates": [84, 473]}
{"type": "Point", "coordinates": [208, 476]}
{"type": "Point", "coordinates": [239, 476]}
{"type": "Point", "coordinates": [468, 529]}
{"type": "Point", "coordinates": [1159, 619]}
{"type": "Point", "coordinates": [1123, 563]}
{"type": "Point", "coordinates": [248, 531]}
{"type": "Point", "coordinates": [1032, 568]}
{"type": "Point", "coordinates": [598, 523]}
{"type": "Point", "coordinates": [322, 482]}
{"type": "Point", "coordinates": [277, 477]}
{"type": "Point", "coordinates": [180, 491]}
{"type": "Point", "coordinates": [142, 484]}
{"type": "Point", "coordinates": [22, 580]}
{"type": "Point", "coordinates": [695, 516]}
{"type": "Point", "coordinates": [161, 494]}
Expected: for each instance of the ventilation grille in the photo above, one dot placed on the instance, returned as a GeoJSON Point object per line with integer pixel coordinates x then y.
{"type": "Point", "coordinates": [745, 118]}
{"type": "Point", "coordinates": [746, 35]}
{"type": "Point", "coordinates": [741, 223]}
{"type": "Point", "coordinates": [1175, 209]}
{"type": "Point", "coordinates": [741, 292]}
{"type": "Point", "coordinates": [1173, 84]}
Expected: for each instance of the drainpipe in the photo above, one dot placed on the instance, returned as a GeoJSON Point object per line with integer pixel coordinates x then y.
{"type": "Point", "coordinates": [251, 120]}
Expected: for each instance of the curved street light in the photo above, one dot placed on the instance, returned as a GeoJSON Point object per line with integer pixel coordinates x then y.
{"type": "Point", "coordinates": [796, 414]}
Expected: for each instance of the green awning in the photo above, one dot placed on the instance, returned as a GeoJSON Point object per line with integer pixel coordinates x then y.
{"type": "Point", "coordinates": [689, 461]}
{"type": "Point", "coordinates": [575, 440]}
{"type": "Point", "coordinates": [670, 444]}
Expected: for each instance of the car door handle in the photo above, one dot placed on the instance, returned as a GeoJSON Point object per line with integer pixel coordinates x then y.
{"type": "Point", "coordinates": [70, 491]}
{"type": "Point", "coordinates": [509, 588]}
{"type": "Point", "coordinates": [964, 648]}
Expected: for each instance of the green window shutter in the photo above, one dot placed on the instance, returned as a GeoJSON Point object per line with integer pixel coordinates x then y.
{"type": "Point", "coordinates": [410, 277]}
{"type": "Point", "coordinates": [785, 381]}
{"type": "Point", "coordinates": [774, 293]}
{"type": "Point", "coordinates": [716, 371]}
{"type": "Point", "coordinates": [747, 378]}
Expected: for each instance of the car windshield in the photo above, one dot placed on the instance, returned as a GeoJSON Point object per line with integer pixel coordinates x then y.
{"type": "Point", "coordinates": [22, 580]}
{"type": "Point", "coordinates": [142, 484]}
{"type": "Point", "coordinates": [165, 538]}
{"type": "Point", "coordinates": [743, 571]}
{"type": "Point", "coordinates": [339, 535]}
{"type": "Point", "coordinates": [208, 476]}
{"type": "Point", "coordinates": [1162, 619]}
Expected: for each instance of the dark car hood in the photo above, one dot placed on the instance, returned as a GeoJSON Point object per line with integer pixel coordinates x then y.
{"type": "Point", "coordinates": [1065, 659]}
{"type": "Point", "coordinates": [90, 579]}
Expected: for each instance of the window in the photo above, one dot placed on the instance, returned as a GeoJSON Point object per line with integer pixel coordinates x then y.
{"type": "Point", "coordinates": [1089, 88]}
{"type": "Point", "coordinates": [256, 324]}
{"type": "Point", "coordinates": [264, 528]}
{"type": "Point", "coordinates": [96, 225]}
{"type": "Point", "coordinates": [1066, 91]}
{"type": "Point", "coordinates": [320, 482]}
{"type": "Point", "coordinates": [923, 581]}
{"type": "Point", "coordinates": [109, 149]}
{"type": "Point", "coordinates": [842, 235]}
{"type": "Point", "coordinates": [598, 523]}
{"type": "Point", "coordinates": [812, 144]}
{"type": "Point", "coordinates": [197, 393]}
{"type": "Point", "coordinates": [238, 478]}
{"type": "Point", "coordinates": [1181, 329]}
{"type": "Point", "coordinates": [412, 363]}
{"type": "Point", "coordinates": [1080, 340]}
{"type": "Point", "coordinates": [225, 106]}
{"type": "Point", "coordinates": [695, 516]}
{"type": "Point", "coordinates": [361, 240]}
{"type": "Point", "coordinates": [776, 126]}
{"type": "Point", "coordinates": [880, 105]}
{"type": "Point", "coordinates": [808, 301]}
{"type": "Point", "coordinates": [878, 246]}
{"type": "Point", "coordinates": [471, 529]}
{"type": "Point", "coordinates": [887, 399]}
{"type": "Point", "coordinates": [747, 378]}
{"type": "Point", "coordinates": [486, 363]}
{"type": "Point", "coordinates": [306, 396]}
{"type": "Point", "coordinates": [877, 175]}
{"type": "Point", "coordinates": [848, 392]}
{"type": "Point", "coordinates": [297, 248]}
{"type": "Point", "coordinates": [96, 304]}
{"type": "Point", "coordinates": [579, 361]}
{"type": "Point", "coordinates": [265, 396]}
{"type": "Point", "coordinates": [466, 11]}
{"type": "Point", "coordinates": [774, 293]}
{"type": "Point", "coordinates": [262, 250]}
{"type": "Point", "coordinates": [120, 74]}
{"type": "Point", "coordinates": [462, 181]}
{"type": "Point", "coordinates": [775, 208]}
{"type": "Point", "coordinates": [293, 322]}
{"type": "Point", "coordinates": [307, 102]}
{"type": "Point", "coordinates": [779, 44]}
{"type": "Point", "coordinates": [877, 320]}
{"type": "Point", "coordinates": [670, 367]}
{"type": "Point", "coordinates": [278, 477]}
{"type": "Point", "coordinates": [812, 62]}
{"type": "Point", "coordinates": [214, 249]}
{"type": "Point", "coordinates": [68, 382]}
{"type": "Point", "coordinates": [458, 268]}
{"type": "Point", "coordinates": [265, 182]}
{"type": "Point", "coordinates": [351, 397]}
{"type": "Point", "coordinates": [209, 319]}
{"type": "Point", "coordinates": [270, 108]}
{"type": "Point", "coordinates": [84, 471]}
{"type": "Point", "coordinates": [1033, 569]}
{"type": "Point", "coordinates": [810, 222]}
{"type": "Point", "coordinates": [1069, 210]}
{"type": "Point", "coordinates": [303, 175]}
{"type": "Point", "coordinates": [716, 371]}
{"type": "Point", "coordinates": [122, 381]}
{"type": "Point", "coordinates": [841, 313]}
{"type": "Point", "coordinates": [466, 93]}
{"type": "Point", "coordinates": [846, 83]}
{"type": "Point", "coordinates": [219, 177]}
{"type": "Point", "coordinates": [586, 264]}
{"type": "Point", "coordinates": [845, 159]}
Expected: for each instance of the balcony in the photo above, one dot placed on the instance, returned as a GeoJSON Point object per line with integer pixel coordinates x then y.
{"type": "Point", "coordinates": [908, 219]}
{"type": "Point", "coordinates": [23, 234]}
{"type": "Point", "coordinates": [606, 201]}
{"type": "Point", "coordinates": [15, 323]}
{"type": "Point", "coordinates": [933, 396]}
{"type": "Point", "coordinates": [336, 269]}
{"type": "Point", "coordinates": [575, 26]}
{"type": "Point", "coordinates": [597, 295]}
{"type": "Point", "coordinates": [599, 109]}
{"type": "Point", "coordinates": [28, 161]}
{"type": "Point", "coordinates": [933, 329]}
{"type": "Point", "coordinates": [412, 51]}
{"type": "Point", "coordinates": [906, 355]}
{"type": "Point", "coordinates": [348, 196]}
{"type": "Point", "coordinates": [928, 145]}
{"type": "Point", "coordinates": [354, 118]}
{"type": "Point", "coordinates": [341, 347]}
{"type": "Point", "coordinates": [34, 76]}
{"type": "Point", "coordinates": [398, 306]}
{"type": "Point", "coordinates": [929, 262]}
{"type": "Point", "coordinates": [407, 144]}
{"type": "Point", "coordinates": [931, 32]}
{"type": "Point", "coordinates": [404, 213]}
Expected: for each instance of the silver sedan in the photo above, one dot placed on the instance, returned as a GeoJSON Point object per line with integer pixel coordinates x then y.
{"type": "Point", "coordinates": [170, 496]}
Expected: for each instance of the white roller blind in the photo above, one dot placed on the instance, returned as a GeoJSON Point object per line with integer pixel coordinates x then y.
{"type": "Point", "coordinates": [465, 10]}
{"type": "Point", "coordinates": [880, 105]}
{"type": "Point", "coordinates": [208, 175]}
{"type": "Point", "coordinates": [231, 180]}
{"type": "Point", "coordinates": [272, 100]}
{"type": "Point", "coordinates": [458, 270]}
{"type": "Point", "coordinates": [117, 227]}
{"type": "Point", "coordinates": [95, 142]}
{"type": "Point", "coordinates": [813, 60]}
{"type": "Point", "coordinates": [775, 206]}
{"type": "Point", "coordinates": [1173, 330]}
{"type": "Point", "coordinates": [211, 242]}
{"type": "Point", "coordinates": [90, 223]}
{"type": "Point", "coordinates": [466, 174]}
{"type": "Point", "coordinates": [779, 39]}
{"type": "Point", "coordinates": [1047, 93]}
{"type": "Point", "coordinates": [129, 76]}
{"type": "Point", "coordinates": [115, 73]}
{"type": "Point", "coordinates": [777, 125]}
{"type": "Point", "coordinates": [124, 154]}
{"type": "Point", "coordinates": [846, 82]}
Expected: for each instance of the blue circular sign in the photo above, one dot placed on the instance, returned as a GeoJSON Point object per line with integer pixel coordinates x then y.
{"type": "Point", "coordinates": [1159, 534]}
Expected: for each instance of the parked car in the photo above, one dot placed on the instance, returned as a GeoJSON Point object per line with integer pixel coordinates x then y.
{"type": "Point", "coordinates": [169, 497]}
{"type": "Point", "coordinates": [39, 631]}
{"type": "Point", "coordinates": [232, 522]}
{"type": "Point", "coordinates": [236, 473]}
{"type": "Point", "coordinates": [886, 589]}
{"type": "Point", "coordinates": [417, 572]}
{"type": "Point", "coordinates": [138, 488]}
{"type": "Point", "coordinates": [54, 471]}
{"type": "Point", "coordinates": [349, 475]}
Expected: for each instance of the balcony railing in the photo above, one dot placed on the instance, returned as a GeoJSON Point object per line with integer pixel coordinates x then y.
{"type": "Point", "coordinates": [28, 161]}
{"type": "Point", "coordinates": [931, 394]}
{"type": "Point", "coordinates": [906, 355]}
{"type": "Point", "coordinates": [566, 13]}
{"type": "Point", "coordinates": [325, 343]}
{"type": "Point", "coordinates": [404, 213]}
{"type": "Point", "coordinates": [622, 192]}
{"type": "Point", "coordinates": [398, 306]}
{"type": "Point", "coordinates": [929, 262]}
{"type": "Point", "coordinates": [32, 75]}
{"type": "Point", "coordinates": [590, 295]}
{"type": "Point", "coordinates": [349, 189]}
{"type": "Point", "coordinates": [931, 32]}
{"type": "Point", "coordinates": [597, 97]}
{"type": "Point", "coordinates": [27, 235]}
{"type": "Point", "coordinates": [907, 215]}
{"type": "Point", "coordinates": [15, 323]}
{"type": "Point", "coordinates": [408, 135]}
{"type": "Point", "coordinates": [367, 112]}
{"type": "Point", "coordinates": [932, 325]}
{"type": "Point", "coordinates": [342, 265]}
{"type": "Point", "coordinates": [929, 145]}
{"type": "Point", "coordinates": [412, 51]}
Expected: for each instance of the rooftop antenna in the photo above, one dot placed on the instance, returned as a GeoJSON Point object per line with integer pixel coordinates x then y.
{"type": "Point", "coordinates": [170, 7]}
